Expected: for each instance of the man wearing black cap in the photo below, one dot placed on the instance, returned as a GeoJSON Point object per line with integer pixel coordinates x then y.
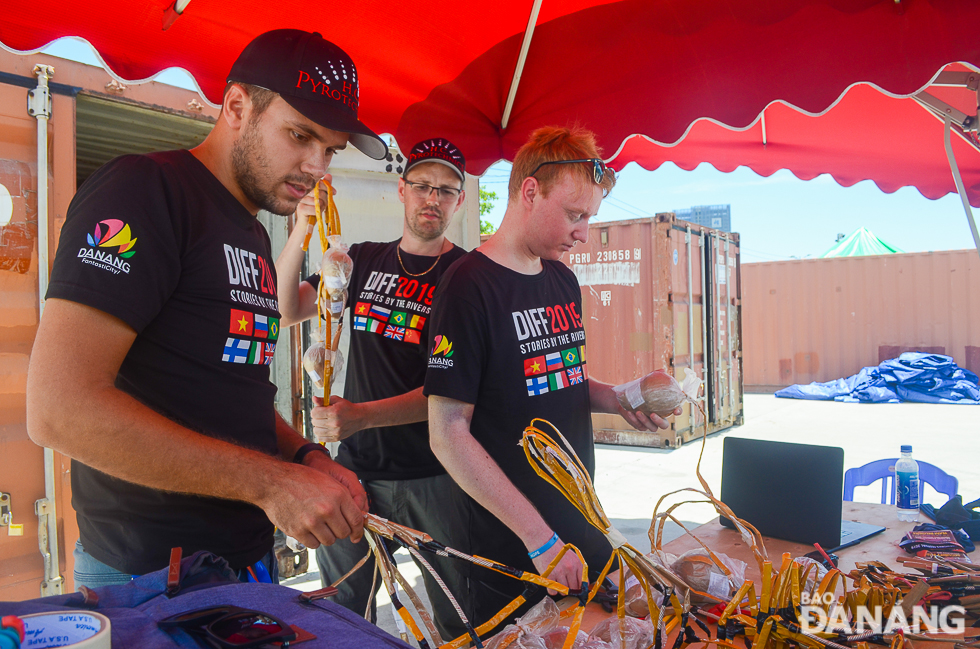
{"type": "Point", "coordinates": [150, 366]}
{"type": "Point", "coordinates": [381, 419]}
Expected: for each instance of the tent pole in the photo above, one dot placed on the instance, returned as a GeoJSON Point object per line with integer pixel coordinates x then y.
{"type": "Point", "coordinates": [953, 167]}
{"type": "Point", "coordinates": [519, 70]}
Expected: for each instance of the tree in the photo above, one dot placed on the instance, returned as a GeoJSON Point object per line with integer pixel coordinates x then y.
{"type": "Point", "coordinates": [487, 200]}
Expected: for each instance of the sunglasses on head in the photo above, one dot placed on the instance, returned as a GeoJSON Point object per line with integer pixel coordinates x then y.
{"type": "Point", "coordinates": [599, 168]}
{"type": "Point", "coordinates": [231, 627]}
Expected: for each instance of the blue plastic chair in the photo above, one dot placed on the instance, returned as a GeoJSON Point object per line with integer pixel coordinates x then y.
{"type": "Point", "coordinates": [884, 470]}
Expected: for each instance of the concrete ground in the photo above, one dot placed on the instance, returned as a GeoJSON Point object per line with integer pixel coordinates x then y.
{"type": "Point", "coordinates": [630, 480]}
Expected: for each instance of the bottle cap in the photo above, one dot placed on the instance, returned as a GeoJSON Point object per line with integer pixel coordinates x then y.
{"type": "Point", "coordinates": [906, 448]}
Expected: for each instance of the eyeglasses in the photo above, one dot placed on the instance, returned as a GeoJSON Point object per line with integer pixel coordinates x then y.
{"type": "Point", "coordinates": [445, 194]}
{"type": "Point", "coordinates": [599, 168]}
{"type": "Point", "coordinates": [231, 627]}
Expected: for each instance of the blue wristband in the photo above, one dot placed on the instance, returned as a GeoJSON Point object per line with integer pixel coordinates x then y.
{"type": "Point", "coordinates": [544, 548]}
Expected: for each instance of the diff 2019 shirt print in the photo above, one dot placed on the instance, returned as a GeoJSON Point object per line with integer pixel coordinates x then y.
{"type": "Point", "coordinates": [390, 307]}
{"type": "Point", "coordinates": [158, 242]}
{"type": "Point", "coordinates": [514, 346]}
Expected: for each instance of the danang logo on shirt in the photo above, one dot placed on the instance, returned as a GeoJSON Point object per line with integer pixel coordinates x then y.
{"type": "Point", "coordinates": [110, 233]}
{"type": "Point", "coordinates": [442, 350]}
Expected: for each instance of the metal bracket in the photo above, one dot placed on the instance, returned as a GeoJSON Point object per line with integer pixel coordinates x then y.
{"type": "Point", "coordinates": [43, 509]}
{"type": "Point", "coordinates": [5, 516]}
{"type": "Point", "coordinates": [39, 98]}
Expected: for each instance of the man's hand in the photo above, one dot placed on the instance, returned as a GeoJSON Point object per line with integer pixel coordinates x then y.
{"type": "Point", "coordinates": [568, 571]}
{"type": "Point", "coordinates": [346, 477]}
{"type": "Point", "coordinates": [642, 421]}
{"type": "Point", "coordinates": [306, 209]}
{"type": "Point", "coordinates": [312, 506]}
{"type": "Point", "coordinates": [338, 421]}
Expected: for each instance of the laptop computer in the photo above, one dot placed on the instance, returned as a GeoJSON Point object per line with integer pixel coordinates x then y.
{"type": "Point", "coordinates": [789, 491]}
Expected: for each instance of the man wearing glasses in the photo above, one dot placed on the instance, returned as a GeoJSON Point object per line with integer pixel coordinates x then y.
{"type": "Point", "coordinates": [510, 316]}
{"type": "Point", "coordinates": [381, 421]}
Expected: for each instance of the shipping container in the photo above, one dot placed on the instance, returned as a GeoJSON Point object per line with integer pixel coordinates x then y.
{"type": "Point", "coordinates": [824, 319]}
{"type": "Point", "coordinates": [94, 118]}
{"type": "Point", "coordinates": [660, 293]}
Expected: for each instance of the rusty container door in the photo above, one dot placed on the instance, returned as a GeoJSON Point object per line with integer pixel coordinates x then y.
{"type": "Point", "coordinates": [21, 461]}
{"type": "Point", "coordinates": [644, 283]}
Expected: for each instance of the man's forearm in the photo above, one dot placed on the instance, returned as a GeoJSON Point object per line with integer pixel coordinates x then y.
{"type": "Point", "coordinates": [602, 398]}
{"type": "Point", "coordinates": [127, 440]}
{"type": "Point", "coordinates": [479, 475]}
{"type": "Point", "coordinates": [293, 295]}
{"type": "Point", "coordinates": [407, 408]}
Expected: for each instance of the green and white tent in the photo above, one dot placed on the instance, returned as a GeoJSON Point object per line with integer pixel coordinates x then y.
{"type": "Point", "coordinates": [860, 243]}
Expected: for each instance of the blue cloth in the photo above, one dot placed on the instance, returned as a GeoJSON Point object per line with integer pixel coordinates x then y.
{"type": "Point", "coordinates": [206, 580]}
{"type": "Point", "coordinates": [913, 376]}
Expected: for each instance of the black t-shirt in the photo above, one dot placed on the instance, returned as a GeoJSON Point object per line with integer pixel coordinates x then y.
{"type": "Point", "coordinates": [389, 312]}
{"type": "Point", "coordinates": [158, 242]}
{"type": "Point", "coordinates": [514, 346]}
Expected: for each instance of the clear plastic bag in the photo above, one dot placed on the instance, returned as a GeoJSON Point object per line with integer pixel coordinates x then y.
{"type": "Point", "coordinates": [555, 639]}
{"type": "Point", "coordinates": [526, 632]}
{"type": "Point", "coordinates": [636, 603]}
{"type": "Point", "coordinates": [699, 572]}
{"type": "Point", "coordinates": [314, 359]}
{"type": "Point", "coordinates": [658, 392]}
{"type": "Point", "coordinates": [335, 269]}
{"type": "Point", "coordinates": [630, 633]}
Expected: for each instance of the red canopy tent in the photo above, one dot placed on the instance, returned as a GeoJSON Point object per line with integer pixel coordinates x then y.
{"type": "Point", "coordinates": [485, 75]}
{"type": "Point", "coordinates": [868, 134]}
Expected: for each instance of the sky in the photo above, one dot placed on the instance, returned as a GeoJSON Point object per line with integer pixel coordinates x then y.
{"type": "Point", "coordinates": [779, 217]}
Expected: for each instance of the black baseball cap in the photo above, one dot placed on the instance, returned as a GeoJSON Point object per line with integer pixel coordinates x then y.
{"type": "Point", "coordinates": [312, 75]}
{"type": "Point", "coordinates": [438, 150]}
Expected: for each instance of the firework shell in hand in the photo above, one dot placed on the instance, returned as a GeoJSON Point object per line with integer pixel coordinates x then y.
{"type": "Point", "coordinates": [657, 392]}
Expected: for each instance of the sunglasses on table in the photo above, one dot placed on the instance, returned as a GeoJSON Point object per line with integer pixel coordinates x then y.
{"type": "Point", "coordinates": [231, 627]}
{"type": "Point", "coordinates": [599, 168]}
{"type": "Point", "coordinates": [445, 194]}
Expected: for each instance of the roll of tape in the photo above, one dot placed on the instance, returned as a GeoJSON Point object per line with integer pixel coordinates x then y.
{"type": "Point", "coordinates": [76, 629]}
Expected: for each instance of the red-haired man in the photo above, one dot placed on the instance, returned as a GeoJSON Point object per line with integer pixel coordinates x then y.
{"type": "Point", "coordinates": [508, 346]}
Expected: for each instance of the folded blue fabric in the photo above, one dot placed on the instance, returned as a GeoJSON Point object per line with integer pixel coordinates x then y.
{"type": "Point", "coordinates": [913, 376]}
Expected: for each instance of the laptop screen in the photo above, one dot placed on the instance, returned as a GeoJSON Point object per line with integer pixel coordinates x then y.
{"type": "Point", "coordinates": [787, 491]}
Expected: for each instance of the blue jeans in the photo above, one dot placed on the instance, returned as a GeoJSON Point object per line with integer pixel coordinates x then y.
{"type": "Point", "coordinates": [92, 573]}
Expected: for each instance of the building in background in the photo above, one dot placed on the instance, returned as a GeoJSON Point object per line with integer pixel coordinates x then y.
{"type": "Point", "coordinates": [717, 217]}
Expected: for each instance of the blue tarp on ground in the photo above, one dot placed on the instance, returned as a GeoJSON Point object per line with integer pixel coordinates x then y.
{"type": "Point", "coordinates": [913, 376]}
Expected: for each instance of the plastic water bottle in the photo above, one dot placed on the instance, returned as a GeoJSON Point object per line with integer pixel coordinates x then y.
{"type": "Point", "coordinates": [907, 486]}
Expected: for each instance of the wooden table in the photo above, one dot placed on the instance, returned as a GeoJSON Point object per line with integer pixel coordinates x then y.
{"type": "Point", "coordinates": [882, 547]}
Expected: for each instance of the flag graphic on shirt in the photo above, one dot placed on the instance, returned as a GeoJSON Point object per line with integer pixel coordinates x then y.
{"type": "Point", "coordinates": [534, 366]}
{"type": "Point", "coordinates": [380, 312]}
{"type": "Point", "coordinates": [570, 356]}
{"type": "Point", "coordinates": [554, 361]}
{"type": "Point", "coordinates": [261, 326]}
{"type": "Point", "coordinates": [273, 328]}
{"type": "Point", "coordinates": [412, 336]}
{"type": "Point", "coordinates": [360, 324]}
{"type": "Point", "coordinates": [261, 353]}
{"type": "Point", "coordinates": [399, 318]}
{"type": "Point", "coordinates": [574, 375]}
{"type": "Point", "coordinates": [537, 385]}
{"type": "Point", "coordinates": [557, 381]}
{"type": "Point", "coordinates": [241, 323]}
{"type": "Point", "coordinates": [375, 326]}
{"type": "Point", "coordinates": [417, 322]}
{"type": "Point", "coordinates": [585, 371]}
{"type": "Point", "coordinates": [396, 333]}
{"type": "Point", "coordinates": [583, 353]}
{"type": "Point", "coordinates": [236, 350]}
{"type": "Point", "coordinates": [362, 308]}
